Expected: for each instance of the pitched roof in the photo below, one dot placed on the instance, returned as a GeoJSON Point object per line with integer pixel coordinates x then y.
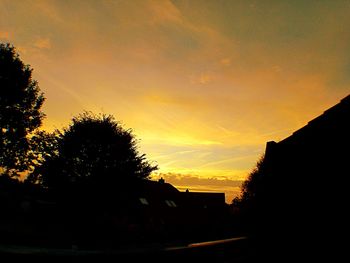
{"type": "Point", "coordinates": [333, 121]}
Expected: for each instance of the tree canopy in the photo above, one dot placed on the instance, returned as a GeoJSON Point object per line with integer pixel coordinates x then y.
{"type": "Point", "coordinates": [20, 114]}
{"type": "Point", "coordinates": [93, 150]}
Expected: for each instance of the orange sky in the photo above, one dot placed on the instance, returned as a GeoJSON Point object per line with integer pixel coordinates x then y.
{"type": "Point", "coordinates": [203, 84]}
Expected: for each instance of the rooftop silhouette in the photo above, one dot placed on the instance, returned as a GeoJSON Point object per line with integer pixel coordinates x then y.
{"type": "Point", "coordinates": [296, 198]}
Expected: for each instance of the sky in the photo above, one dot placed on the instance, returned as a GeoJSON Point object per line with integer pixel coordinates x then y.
{"type": "Point", "coordinates": [202, 84]}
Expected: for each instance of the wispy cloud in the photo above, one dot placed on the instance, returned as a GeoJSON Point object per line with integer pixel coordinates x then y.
{"type": "Point", "coordinates": [43, 43]}
{"type": "Point", "coordinates": [203, 78]}
{"type": "Point", "coordinates": [185, 179]}
{"type": "Point", "coordinates": [225, 61]}
{"type": "Point", "coordinates": [222, 184]}
{"type": "Point", "coordinates": [164, 12]}
{"type": "Point", "coordinates": [204, 84]}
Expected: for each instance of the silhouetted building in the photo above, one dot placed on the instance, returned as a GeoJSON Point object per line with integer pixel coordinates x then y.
{"type": "Point", "coordinates": [327, 133]}
{"type": "Point", "coordinates": [140, 212]}
{"type": "Point", "coordinates": [161, 210]}
{"type": "Point", "coordinates": [303, 199]}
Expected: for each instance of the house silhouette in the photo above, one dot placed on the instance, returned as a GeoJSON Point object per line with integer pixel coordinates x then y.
{"type": "Point", "coordinates": [160, 211]}
{"type": "Point", "coordinates": [303, 195]}
{"type": "Point", "coordinates": [144, 211]}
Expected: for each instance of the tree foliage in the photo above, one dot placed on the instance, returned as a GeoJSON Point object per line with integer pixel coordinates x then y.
{"type": "Point", "coordinates": [94, 150]}
{"type": "Point", "coordinates": [43, 147]}
{"type": "Point", "coordinates": [252, 187]}
{"type": "Point", "coordinates": [20, 114]}
{"type": "Point", "coordinates": [254, 182]}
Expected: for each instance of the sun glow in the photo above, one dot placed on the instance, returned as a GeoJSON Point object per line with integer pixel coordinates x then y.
{"type": "Point", "coordinates": [204, 85]}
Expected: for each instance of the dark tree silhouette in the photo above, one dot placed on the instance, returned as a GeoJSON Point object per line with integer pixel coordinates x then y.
{"type": "Point", "coordinates": [94, 150]}
{"type": "Point", "coordinates": [20, 114]}
{"type": "Point", "coordinates": [252, 192]}
{"type": "Point", "coordinates": [43, 147]}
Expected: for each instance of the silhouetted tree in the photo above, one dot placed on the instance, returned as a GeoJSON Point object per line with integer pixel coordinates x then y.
{"type": "Point", "coordinates": [94, 150]}
{"type": "Point", "coordinates": [252, 191]}
{"type": "Point", "coordinates": [43, 147]}
{"type": "Point", "coordinates": [253, 184]}
{"type": "Point", "coordinates": [20, 114]}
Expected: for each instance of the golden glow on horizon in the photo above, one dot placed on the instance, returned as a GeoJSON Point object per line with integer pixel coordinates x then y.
{"type": "Point", "coordinates": [204, 85]}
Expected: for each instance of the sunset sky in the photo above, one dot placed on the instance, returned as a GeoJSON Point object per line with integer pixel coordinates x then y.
{"type": "Point", "coordinates": [203, 84]}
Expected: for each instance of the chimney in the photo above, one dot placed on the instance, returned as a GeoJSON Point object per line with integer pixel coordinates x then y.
{"type": "Point", "coordinates": [161, 180]}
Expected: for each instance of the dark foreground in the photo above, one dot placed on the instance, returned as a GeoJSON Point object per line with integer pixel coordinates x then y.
{"type": "Point", "coordinates": [227, 250]}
